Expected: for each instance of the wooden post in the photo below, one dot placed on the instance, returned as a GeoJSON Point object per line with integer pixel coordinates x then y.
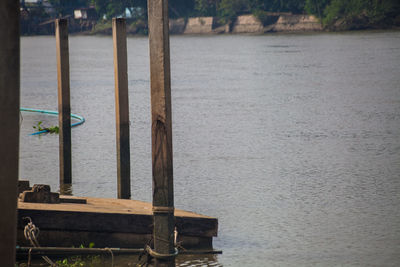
{"type": "Point", "coordinates": [64, 109]}
{"type": "Point", "coordinates": [9, 135]}
{"type": "Point", "coordinates": [122, 108]}
{"type": "Point", "coordinates": [160, 76]}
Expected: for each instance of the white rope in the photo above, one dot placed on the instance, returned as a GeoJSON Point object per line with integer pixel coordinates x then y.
{"type": "Point", "coordinates": [31, 233]}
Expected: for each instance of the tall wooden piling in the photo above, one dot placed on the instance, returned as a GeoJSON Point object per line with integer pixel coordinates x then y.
{"type": "Point", "coordinates": [160, 76]}
{"type": "Point", "coordinates": [9, 135]}
{"type": "Point", "coordinates": [64, 109]}
{"type": "Point", "coordinates": [122, 108]}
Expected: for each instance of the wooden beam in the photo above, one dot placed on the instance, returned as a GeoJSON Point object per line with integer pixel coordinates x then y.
{"type": "Point", "coordinates": [81, 220]}
{"type": "Point", "coordinates": [64, 109]}
{"type": "Point", "coordinates": [160, 77]}
{"type": "Point", "coordinates": [122, 108]}
{"type": "Point", "coordinates": [9, 117]}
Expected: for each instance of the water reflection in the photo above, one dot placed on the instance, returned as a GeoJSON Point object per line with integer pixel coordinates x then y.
{"type": "Point", "coordinates": [196, 260]}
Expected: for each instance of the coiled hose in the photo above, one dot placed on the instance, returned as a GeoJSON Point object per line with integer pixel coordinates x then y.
{"type": "Point", "coordinates": [53, 112]}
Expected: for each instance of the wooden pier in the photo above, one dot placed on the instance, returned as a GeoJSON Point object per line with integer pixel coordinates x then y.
{"type": "Point", "coordinates": [116, 223]}
{"type": "Point", "coordinates": [70, 221]}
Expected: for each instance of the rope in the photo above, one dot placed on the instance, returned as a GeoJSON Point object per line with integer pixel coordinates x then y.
{"type": "Point", "coordinates": [147, 260]}
{"type": "Point", "coordinates": [177, 244]}
{"type": "Point", "coordinates": [150, 253]}
{"type": "Point", "coordinates": [161, 256]}
{"type": "Point", "coordinates": [31, 233]}
{"type": "Point", "coordinates": [55, 113]}
{"type": "Point", "coordinates": [29, 257]}
{"type": "Point", "coordinates": [112, 256]}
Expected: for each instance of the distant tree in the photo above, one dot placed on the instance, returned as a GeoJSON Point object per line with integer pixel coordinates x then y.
{"type": "Point", "coordinates": [361, 13]}
{"type": "Point", "coordinates": [294, 6]}
{"type": "Point", "coordinates": [114, 8]}
{"type": "Point", "coordinates": [181, 8]}
{"type": "Point", "coordinates": [207, 7]}
{"type": "Point", "coordinates": [375, 11]}
{"type": "Point", "coordinates": [131, 5]}
{"type": "Point", "coordinates": [67, 7]}
{"type": "Point", "coordinates": [316, 7]}
{"type": "Point", "coordinates": [229, 9]}
{"type": "Point", "coordinates": [100, 6]}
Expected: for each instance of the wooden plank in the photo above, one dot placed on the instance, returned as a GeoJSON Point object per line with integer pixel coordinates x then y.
{"type": "Point", "coordinates": [57, 238]}
{"type": "Point", "coordinates": [106, 205]}
{"type": "Point", "coordinates": [87, 221]}
{"type": "Point", "coordinates": [108, 222]}
{"type": "Point", "coordinates": [160, 79]}
{"type": "Point", "coordinates": [71, 199]}
{"type": "Point", "coordinates": [64, 109]}
{"type": "Point", "coordinates": [197, 226]}
{"type": "Point", "coordinates": [9, 117]}
{"type": "Point", "coordinates": [122, 108]}
{"type": "Point", "coordinates": [110, 215]}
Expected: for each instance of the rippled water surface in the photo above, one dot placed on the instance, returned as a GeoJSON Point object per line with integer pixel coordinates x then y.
{"type": "Point", "coordinates": [292, 141]}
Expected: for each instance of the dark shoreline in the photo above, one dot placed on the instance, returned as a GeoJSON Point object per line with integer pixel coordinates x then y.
{"type": "Point", "coordinates": [247, 24]}
{"type": "Point", "coordinates": [375, 30]}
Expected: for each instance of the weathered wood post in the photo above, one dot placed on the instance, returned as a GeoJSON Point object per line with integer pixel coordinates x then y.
{"type": "Point", "coordinates": [122, 108]}
{"type": "Point", "coordinates": [9, 118]}
{"type": "Point", "coordinates": [64, 109]}
{"type": "Point", "coordinates": [160, 76]}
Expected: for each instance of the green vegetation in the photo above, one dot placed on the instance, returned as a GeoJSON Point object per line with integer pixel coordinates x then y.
{"type": "Point", "coordinates": [51, 129]}
{"type": "Point", "coordinates": [66, 7]}
{"type": "Point", "coordinates": [81, 261]}
{"type": "Point", "coordinates": [265, 17]}
{"type": "Point", "coordinates": [356, 14]}
{"type": "Point", "coordinates": [334, 14]}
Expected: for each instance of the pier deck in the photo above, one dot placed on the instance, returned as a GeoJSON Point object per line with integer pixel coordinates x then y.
{"type": "Point", "coordinates": [108, 223]}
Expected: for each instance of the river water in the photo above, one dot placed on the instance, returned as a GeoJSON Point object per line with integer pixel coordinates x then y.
{"type": "Point", "coordinates": [292, 140]}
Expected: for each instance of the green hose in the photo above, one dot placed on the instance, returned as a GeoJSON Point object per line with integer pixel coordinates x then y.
{"type": "Point", "coordinates": [52, 112]}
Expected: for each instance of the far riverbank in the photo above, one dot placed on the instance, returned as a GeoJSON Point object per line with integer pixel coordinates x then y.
{"type": "Point", "coordinates": [276, 22]}
{"type": "Point", "coordinates": [244, 24]}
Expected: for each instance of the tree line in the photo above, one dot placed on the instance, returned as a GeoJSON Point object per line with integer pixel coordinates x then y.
{"type": "Point", "coordinates": [330, 12]}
